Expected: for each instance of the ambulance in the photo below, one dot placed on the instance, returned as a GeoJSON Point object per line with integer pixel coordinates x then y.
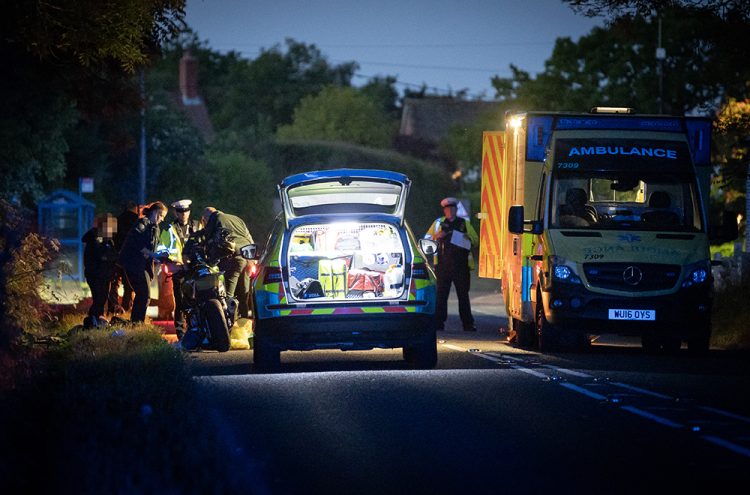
{"type": "Point", "coordinates": [596, 223]}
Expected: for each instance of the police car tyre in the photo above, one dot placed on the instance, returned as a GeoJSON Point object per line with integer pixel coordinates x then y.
{"type": "Point", "coordinates": [546, 333]}
{"type": "Point", "coordinates": [422, 356]}
{"type": "Point", "coordinates": [217, 325]}
{"type": "Point", "coordinates": [266, 357]}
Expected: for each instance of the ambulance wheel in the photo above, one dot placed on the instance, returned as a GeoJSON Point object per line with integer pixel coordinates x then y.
{"type": "Point", "coordinates": [217, 326]}
{"type": "Point", "coordinates": [699, 340]}
{"type": "Point", "coordinates": [266, 357]}
{"type": "Point", "coordinates": [422, 356]}
{"type": "Point", "coordinates": [524, 333]}
{"type": "Point", "coordinates": [546, 333]}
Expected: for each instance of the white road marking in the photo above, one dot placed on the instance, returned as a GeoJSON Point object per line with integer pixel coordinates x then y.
{"type": "Point", "coordinates": [583, 391]}
{"type": "Point", "coordinates": [566, 371]}
{"type": "Point", "coordinates": [725, 413]}
{"type": "Point", "coordinates": [528, 371]}
{"type": "Point", "coordinates": [727, 445]}
{"type": "Point", "coordinates": [641, 390]}
{"type": "Point", "coordinates": [455, 348]}
{"type": "Point", "coordinates": [653, 417]}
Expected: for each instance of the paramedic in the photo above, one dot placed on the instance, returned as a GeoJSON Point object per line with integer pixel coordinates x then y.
{"type": "Point", "coordinates": [455, 237]}
{"type": "Point", "coordinates": [138, 254]}
{"type": "Point", "coordinates": [235, 267]}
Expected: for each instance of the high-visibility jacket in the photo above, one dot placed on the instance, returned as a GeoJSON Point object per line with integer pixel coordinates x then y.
{"type": "Point", "coordinates": [464, 227]}
{"type": "Point", "coordinates": [173, 239]}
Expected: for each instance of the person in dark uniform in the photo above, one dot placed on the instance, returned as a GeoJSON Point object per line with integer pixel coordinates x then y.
{"type": "Point", "coordinates": [99, 257]}
{"type": "Point", "coordinates": [236, 275]}
{"type": "Point", "coordinates": [455, 237]}
{"type": "Point", "coordinates": [125, 222]}
{"type": "Point", "coordinates": [138, 254]}
{"type": "Point", "coordinates": [173, 239]}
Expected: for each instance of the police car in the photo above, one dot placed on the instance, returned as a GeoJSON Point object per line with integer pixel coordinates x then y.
{"type": "Point", "coordinates": [341, 269]}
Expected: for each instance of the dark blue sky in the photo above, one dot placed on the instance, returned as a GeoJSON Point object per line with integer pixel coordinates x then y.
{"type": "Point", "coordinates": [446, 44]}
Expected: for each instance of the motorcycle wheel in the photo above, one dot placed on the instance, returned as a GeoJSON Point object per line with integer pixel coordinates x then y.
{"type": "Point", "coordinates": [217, 325]}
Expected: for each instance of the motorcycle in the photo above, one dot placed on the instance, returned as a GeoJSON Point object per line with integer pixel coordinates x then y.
{"type": "Point", "coordinates": [209, 312]}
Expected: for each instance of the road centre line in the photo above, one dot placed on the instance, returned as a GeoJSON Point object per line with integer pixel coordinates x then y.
{"type": "Point", "coordinates": [653, 417]}
{"type": "Point", "coordinates": [725, 413]}
{"type": "Point", "coordinates": [641, 390]}
{"type": "Point", "coordinates": [720, 442]}
{"type": "Point", "coordinates": [738, 449]}
{"type": "Point", "coordinates": [528, 371]}
{"type": "Point", "coordinates": [583, 391]}
{"type": "Point", "coordinates": [566, 371]}
{"type": "Point", "coordinates": [455, 348]}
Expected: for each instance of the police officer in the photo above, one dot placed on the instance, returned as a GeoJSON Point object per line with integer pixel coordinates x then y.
{"type": "Point", "coordinates": [138, 254]}
{"type": "Point", "coordinates": [173, 239]}
{"type": "Point", "coordinates": [234, 267]}
{"type": "Point", "coordinates": [455, 237]}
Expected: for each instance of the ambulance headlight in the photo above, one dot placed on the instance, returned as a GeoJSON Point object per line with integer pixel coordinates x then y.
{"type": "Point", "coordinates": [562, 272]}
{"type": "Point", "coordinates": [698, 274]}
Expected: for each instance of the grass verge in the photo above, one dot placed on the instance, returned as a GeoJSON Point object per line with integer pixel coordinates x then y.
{"type": "Point", "coordinates": [116, 411]}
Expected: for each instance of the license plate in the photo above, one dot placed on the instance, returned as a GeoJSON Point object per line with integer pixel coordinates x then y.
{"type": "Point", "coordinates": [632, 314]}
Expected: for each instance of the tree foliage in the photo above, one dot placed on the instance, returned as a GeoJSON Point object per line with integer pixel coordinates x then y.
{"type": "Point", "coordinates": [619, 9]}
{"type": "Point", "coordinates": [341, 114]}
{"type": "Point", "coordinates": [616, 66]}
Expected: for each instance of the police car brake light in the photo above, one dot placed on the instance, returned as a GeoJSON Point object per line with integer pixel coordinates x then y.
{"type": "Point", "coordinates": [272, 276]}
{"type": "Point", "coordinates": [419, 270]}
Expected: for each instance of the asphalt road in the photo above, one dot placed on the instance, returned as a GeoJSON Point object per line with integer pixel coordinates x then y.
{"type": "Point", "coordinates": [490, 418]}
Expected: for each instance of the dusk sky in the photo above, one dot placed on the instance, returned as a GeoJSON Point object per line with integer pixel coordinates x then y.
{"type": "Point", "coordinates": [445, 44]}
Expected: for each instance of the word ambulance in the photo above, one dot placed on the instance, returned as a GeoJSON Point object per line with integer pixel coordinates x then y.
{"type": "Point", "coordinates": [597, 223]}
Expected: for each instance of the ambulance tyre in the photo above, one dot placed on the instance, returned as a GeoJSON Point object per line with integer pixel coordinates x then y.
{"type": "Point", "coordinates": [266, 357]}
{"type": "Point", "coordinates": [422, 356]}
{"type": "Point", "coordinates": [699, 340]}
{"type": "Point", "coordinates": [524, 333]}
{"type": "Point", "coordinates": [217, 325]}
{"type": "Point", "coordinates": [546, 333]}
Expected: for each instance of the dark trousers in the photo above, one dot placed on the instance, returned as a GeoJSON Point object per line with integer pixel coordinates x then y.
{"type": "Point", "coordinates": [460, 278]}
{"type": "Point", "coordinates": [127, 291]}
{"type": "Point", "coordinates": [237, 281]}
{"type": "Point", "coordinates": [179, 316]}
{"type": "Point", "coordinates": [99, 285]}
{"type": "Point", "coordinates": [140, 281]}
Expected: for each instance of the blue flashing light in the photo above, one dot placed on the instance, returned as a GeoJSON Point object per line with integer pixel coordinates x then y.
{"type": "Point", "coordinates": [538, 134]}
{"type": "Point", "coordinates": [627, 123]}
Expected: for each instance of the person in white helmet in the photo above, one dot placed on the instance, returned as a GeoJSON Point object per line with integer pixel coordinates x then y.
{"type": "Point", "coordinates": [455, 237]}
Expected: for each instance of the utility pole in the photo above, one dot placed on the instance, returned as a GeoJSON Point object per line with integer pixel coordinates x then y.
{"type": "Point", "coordinates": [661, 54]}
{"type": "Point", "coordinates": [142, 165]}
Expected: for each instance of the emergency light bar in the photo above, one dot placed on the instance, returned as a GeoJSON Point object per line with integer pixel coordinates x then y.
{"type": "Point", "coordinates": [612, 110]}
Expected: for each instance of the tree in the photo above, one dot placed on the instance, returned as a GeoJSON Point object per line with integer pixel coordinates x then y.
{"type": "Point", "coordinates": [341, 114]}
{"type": "Point", "coordinates": [617, 66]}
{"type": "Point", "coordinates": [619, 9]}
{"type": "Point", "coordinates": [71, 60]}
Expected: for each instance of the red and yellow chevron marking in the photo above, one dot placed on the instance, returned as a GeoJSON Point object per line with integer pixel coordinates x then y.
{"type": "Point", "coordinates": [347, 311]}
{"type": "Point", "coordinates": [491, 227]}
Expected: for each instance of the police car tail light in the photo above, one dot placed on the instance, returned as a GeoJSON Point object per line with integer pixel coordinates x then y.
{"type": "Point", "coordinates": [253, 270]}
{"type": "Point", "coordinates": [272, 276]}
{"type": "Point", "coordinates": [419, 270]}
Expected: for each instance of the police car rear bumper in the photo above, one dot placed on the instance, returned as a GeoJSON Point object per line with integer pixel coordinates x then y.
{"type": "Point", "coordinates": [346, 332]}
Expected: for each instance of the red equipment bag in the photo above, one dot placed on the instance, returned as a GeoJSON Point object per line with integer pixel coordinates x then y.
{"type": "Point", "coordinates": [361, 281]}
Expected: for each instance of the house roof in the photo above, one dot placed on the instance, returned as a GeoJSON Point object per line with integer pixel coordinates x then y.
{"type": "Point", "coordinates": [430, 119]}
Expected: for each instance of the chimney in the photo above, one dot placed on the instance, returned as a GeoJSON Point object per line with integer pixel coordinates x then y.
{"type": "Point", "coordinates": [189, 79]}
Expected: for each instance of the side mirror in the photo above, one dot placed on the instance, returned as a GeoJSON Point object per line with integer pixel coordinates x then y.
{"type": "Point", "coordinates": [515, 219]}
{"type": "Point", "coordinates": [428, 246]}
{"type": "Point", "coordinates": [249, 252]}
